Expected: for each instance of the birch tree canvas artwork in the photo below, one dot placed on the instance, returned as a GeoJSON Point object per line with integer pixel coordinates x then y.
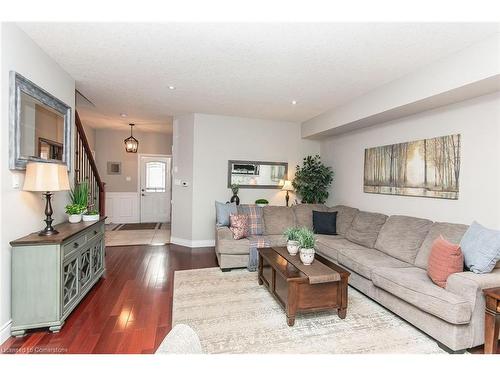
{"type": "Point", "coordinates": [424, 168]}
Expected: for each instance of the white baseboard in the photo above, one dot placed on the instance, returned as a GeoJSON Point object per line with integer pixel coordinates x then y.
{"type": "Point", "coordinates": [190, 243]}
{"type": "Point", "coordinates": [5, 332]}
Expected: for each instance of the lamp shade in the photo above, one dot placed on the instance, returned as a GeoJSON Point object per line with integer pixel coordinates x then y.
{"type": "Point", "coordinates": [46, 177]}
{"type": "Point", "coordinates": [287, 186]}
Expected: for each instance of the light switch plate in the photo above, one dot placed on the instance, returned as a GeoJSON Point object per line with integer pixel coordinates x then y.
{"type": "Point", "coordinates": [16, 181]}
{"type": "Point", "coordinates": [128, 178]}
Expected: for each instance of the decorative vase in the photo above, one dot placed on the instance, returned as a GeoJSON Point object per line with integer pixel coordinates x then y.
{"type": "Point", "coordinates": [292, 247]}
{"type": "Point", "coordinates": [306, 256]}
{"type": "Point", "coordinates": [75, 218]}
{"type": "Point", "coordinates": [86, 217]}
{"type": "Point", "coordinates": [235, 199]}
{"type": "Point", "coordinates": [262, 204]}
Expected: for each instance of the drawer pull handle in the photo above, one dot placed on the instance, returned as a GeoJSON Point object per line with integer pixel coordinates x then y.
{"type": "Point", "coordinates": [75, 245]}
{"type": "Point", "coordinates": [95, 232]}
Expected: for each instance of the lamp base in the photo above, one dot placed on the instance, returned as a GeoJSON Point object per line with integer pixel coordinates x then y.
{"type": "Point", "coordinates": [49, 229]}
{"type": "Point", "coordinates": [48, 232]}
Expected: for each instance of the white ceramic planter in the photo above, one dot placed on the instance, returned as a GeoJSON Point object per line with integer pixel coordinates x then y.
{"type": "Point", "coordinates": [90, 217]}
{"type": "Point", "coordinates": [73, 219]}
{"type": "Point", "coordinates": [293, 247]}
{"type": "Point", "coordinates": [262, 204]}
{"type": "Point", "coordinates": [306, 256]}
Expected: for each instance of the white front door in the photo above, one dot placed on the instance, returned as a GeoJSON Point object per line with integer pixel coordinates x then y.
{"type": "Point", "coordinates": [155, 188]}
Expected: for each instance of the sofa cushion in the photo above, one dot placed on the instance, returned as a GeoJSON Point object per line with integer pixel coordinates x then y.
{"type": "Point", "coordinates": [276, 239]}
{"type": "Point", "coordinates": [223, 211]}
{"type": "Point", "coordinates": [277, 219]}
{"type": "Point", "coordinates": [481, 248]}
{"type": "Point", "coordinates": [402, 236]}
{"type": "Point", "coordinates": [446, 259]}
{"type": "Point", "coordinates": [327, 245]}
{"type": "Point", "coordinates": [414, 286]}
{"type": "Point", "coordinates": [325, 223]}
{"type": "Point", "coordinates": [450, 232]}
{"type": "Point", "coordinates": [365, 228]}
{"type": "Point", "coordinates": [364, 261]}
{"type": "Point", "coordinates": [345, 216]}
{"type": "Point", "coordinates": [303, 214]}
{"type": "Point", "coordinates": [233, 246]}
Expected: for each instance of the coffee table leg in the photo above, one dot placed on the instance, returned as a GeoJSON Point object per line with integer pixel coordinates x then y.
{"type": "Point", "coordinates": [261, 266]}
{"type": "Point", "coordinates": [290, 320]}
{"type": "Point", "coordinates": [291, 306]}
{"type": "Point", "coordinates": [342, 313]}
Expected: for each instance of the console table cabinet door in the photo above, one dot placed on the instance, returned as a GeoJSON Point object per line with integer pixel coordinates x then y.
{"type": "Point", "coordinates": [70, 283]}
{"type": "Point", "coordinates": [50, 276]}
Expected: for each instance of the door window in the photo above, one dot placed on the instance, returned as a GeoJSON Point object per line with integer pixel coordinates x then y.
{"type": "Point", "coordinates": [155, 177]}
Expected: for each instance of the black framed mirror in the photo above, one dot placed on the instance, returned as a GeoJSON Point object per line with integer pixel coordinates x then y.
{"type": "Point", "coordinates": [40, 125]}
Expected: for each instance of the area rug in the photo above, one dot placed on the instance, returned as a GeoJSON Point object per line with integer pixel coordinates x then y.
{"type": "Point", "coordinates": [231, 313]}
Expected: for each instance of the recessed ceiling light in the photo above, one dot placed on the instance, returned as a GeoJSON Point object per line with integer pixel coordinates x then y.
{"type": "Point", "coordinates": [294, 102]}
{"type": "Point", "coordinates": [171, 87]}
{"type": "Point", "coordinates": [123, 115]}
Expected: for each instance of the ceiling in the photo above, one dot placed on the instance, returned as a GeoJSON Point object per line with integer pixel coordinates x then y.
{"type": "Point", "coordinates": [247, 69]}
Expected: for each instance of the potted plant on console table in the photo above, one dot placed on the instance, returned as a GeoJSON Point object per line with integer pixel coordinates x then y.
{"type": "Point", "coordinates": [92, 215]}
{"type": "Point", "coordinates": [79, 200]}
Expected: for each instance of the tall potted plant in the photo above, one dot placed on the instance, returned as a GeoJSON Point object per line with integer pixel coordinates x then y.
{"type": "Point", "coordinates": [312, 180]}
{"type": "Point", "coordinates": [79, 199]}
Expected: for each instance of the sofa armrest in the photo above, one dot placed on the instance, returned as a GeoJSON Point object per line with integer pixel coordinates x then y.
{"type": "Point", "coordinates": [470, 285]}
{"type": "Point", "coordinates": [223, 233]}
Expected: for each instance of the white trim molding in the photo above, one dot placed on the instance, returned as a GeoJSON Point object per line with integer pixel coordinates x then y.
{"type": "Point", "coordinates": [122, 208]}
{"type": "Point", "coordinates": [5, 332]}
{"type": "Point", "coordinates": [190, 243]}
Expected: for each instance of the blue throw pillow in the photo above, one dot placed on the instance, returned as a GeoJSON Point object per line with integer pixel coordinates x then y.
{"type": "Point", "coordinates": [481, 248]}
{"type": "Point", "coordinates": [223, 211]}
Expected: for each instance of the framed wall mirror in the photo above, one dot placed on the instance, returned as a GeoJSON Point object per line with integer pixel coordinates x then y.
{"type": "Point", "coordinates": [40, 125]}
{"type": "Point", "coordinates": [256, 174]}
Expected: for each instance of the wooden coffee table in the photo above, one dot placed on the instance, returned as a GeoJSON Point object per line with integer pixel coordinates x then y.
{"type": "Point", "coordinates": [292, 289]}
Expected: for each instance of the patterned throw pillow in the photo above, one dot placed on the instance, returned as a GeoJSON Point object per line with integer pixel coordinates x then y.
{"type": "Point", "coordinates": [445, 259]}
{"type": "Point", "coordinates": [239, 226]}
{"type": "Point", "coordinates": [255, 218]}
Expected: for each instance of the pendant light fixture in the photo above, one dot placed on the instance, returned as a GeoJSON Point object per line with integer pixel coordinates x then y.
{"type": "Point", "coordinates": [131, 144]}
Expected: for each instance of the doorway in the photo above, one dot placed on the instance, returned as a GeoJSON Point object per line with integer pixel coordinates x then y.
{"type": "Point", "coordinates": [155, 188]}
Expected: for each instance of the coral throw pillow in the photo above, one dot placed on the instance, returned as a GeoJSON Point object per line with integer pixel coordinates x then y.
{"type": "Point", "coordinates": [239, 226]}
{"type": "Point", "coordinates": [445, 259]}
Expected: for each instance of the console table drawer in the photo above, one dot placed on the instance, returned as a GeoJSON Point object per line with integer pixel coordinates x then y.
{"type": "Point", "coordinates": [95, 232]}
{"type": "Point", "coordinates": [74, 245]}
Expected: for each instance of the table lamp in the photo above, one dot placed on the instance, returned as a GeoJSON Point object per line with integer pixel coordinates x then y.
{"type": "Point", "coordinates": [46, 177]}
{"type": "Point", "coordinates": [287, 187]}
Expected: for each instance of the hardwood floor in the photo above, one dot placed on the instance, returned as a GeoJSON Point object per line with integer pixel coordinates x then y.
{"type": "Point", "coordinates": [128, 311]}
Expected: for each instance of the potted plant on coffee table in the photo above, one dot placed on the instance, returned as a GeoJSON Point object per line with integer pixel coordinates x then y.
{"type": "Point", "coordinates": [306, 241]}
{"type": "Point", "coordinates": [292, 236]}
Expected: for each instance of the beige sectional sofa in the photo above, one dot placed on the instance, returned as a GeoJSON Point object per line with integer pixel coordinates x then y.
{"type": "Point", "coordinates": [387, 257]}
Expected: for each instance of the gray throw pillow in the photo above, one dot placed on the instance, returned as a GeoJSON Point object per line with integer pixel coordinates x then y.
{"type": "Point", "coordinates": [481, 248]}
{"type": "Point", "coordinates": [223, 211]}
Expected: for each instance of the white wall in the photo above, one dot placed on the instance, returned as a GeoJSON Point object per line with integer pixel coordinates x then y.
{"type": "Point", "coordinates": [218, 139]}
{"type": "Point", "coordinates": [22, 212]}
{"type": "Point", "coordinates": [109, 146]}
{"type": "Point", "coordinates": [477, 120]}
{"type": "Point", "coordinates": [182, 196]}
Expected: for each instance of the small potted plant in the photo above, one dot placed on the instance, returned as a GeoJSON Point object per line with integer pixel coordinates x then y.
{"type": "Point", "coordinates": [92, 215]}
{"type": "Point", "coordinates": [306, 241]}
{"type": "Point", "coordinates": [292, 236]}
{"type": "Point", "coordinates": [79, 198]}
{"type": "Point", "coordinates": [261, 202]}
{"type": "Point", "coordinates": [235, 188]}
{"type": "Point", "coordinates": [74, 212]}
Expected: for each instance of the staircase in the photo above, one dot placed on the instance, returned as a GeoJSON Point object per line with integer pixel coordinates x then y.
{"type": "Point", "coordinates": [86, 169]}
